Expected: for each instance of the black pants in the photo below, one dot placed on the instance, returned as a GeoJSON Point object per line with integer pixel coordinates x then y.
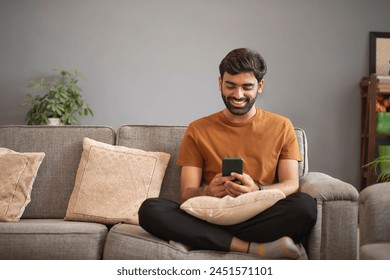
{"type": "Point", "coordinates": [293, 216]}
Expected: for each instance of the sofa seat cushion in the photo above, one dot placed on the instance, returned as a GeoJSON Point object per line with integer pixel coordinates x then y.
{"type": "Point", "coordinates": [43, 239]}
{"type": "Point", "coordinates": [131, 242]}
{"type": "Point", "coordinates": [375, 251]}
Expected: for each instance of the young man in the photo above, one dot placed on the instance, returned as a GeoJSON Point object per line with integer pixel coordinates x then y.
{"type": "Point", "coordinates": [268, 145]}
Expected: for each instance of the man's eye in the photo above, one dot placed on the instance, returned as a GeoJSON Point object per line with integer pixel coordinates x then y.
{"type": "Point", "coordinates": [230, 87]}
{"type": "Point", "coordinates": [248, 88]}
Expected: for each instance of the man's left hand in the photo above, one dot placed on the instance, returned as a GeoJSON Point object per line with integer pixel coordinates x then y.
{"type": "Point", "coordinates": [243, 183]}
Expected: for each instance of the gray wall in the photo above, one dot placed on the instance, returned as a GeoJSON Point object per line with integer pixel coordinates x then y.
{"type": "Point", "coordinates": [156, 62]}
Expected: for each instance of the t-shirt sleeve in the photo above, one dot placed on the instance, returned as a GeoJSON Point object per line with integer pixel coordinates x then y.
{"type": "Point", "coordinates": [290, 148]}
{"type": "Point", "coordinates": [189, 154]}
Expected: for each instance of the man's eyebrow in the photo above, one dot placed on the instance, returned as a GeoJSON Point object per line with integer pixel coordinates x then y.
{"type": "Point", "coordinates": [234, 84]}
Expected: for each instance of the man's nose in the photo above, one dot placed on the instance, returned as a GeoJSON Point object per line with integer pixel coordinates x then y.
{"type": "Point", "coordinates": [238, 92]}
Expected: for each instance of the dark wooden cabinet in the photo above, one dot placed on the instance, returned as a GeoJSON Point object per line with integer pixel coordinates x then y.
{"type": "Point", "coordinates": [371, 89]}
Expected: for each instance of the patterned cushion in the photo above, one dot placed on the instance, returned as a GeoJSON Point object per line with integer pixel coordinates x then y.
{"type": "Point", "coordinates": [230, 210]}
{"type": "Point", "coordinates": [113, 181]}
{"type": "Point", "coordinates": [17, 175]}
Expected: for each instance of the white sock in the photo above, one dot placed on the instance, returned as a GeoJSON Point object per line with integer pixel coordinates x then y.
{"type": "Point", "coordinates": [284, 247]}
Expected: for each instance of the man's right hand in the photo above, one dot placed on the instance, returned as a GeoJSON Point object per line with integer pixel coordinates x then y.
{"type": "Point", "coordinates": [217, 185]}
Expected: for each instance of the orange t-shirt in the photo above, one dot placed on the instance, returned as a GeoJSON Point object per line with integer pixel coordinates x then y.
{"type": "Point", "coordinates": [261, 142]}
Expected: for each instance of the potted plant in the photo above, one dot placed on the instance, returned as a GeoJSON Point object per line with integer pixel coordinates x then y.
{"type": "Point", "coordinates": [381, 163]}
{"type": "Point", "coordinates": [62, 100]}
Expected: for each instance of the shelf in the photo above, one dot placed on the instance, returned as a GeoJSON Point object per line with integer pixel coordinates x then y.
{"type": "Point", "coordinates": [370, 88]}
{"type": "Point", "coordinates": [383, 135]}
{"type": "Point", "coordinates": [382, 91]}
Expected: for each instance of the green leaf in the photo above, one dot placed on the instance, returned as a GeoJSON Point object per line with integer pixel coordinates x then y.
{"type": "Point", "coordinates": [62, 98]}
{"type": "Point", "coordinates": [375, 165]}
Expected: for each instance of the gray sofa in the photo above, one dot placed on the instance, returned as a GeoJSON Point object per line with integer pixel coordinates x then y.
{"type": "Point", "coordinates": [42, 233]}
{"type": "Point", "coordinates": [374, 222]}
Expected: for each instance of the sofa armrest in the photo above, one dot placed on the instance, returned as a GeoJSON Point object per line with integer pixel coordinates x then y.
{"type": "Point", "coordinates": [334, 235]}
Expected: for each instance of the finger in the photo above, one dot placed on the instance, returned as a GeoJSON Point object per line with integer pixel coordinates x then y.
{"type": "Point", "coordinates": [231, 193]}
{"type": "Point", "coordinates": [226, 179]}
{"type": "Point", "coordinates": [217, 181]}
{"type": "Point", "coordinates": [233, 189]}
{"type": "Point", "coordinates": [237, 189]}
{"type": "Point", "coordinates": [245, 179]}
{"type": "Point", "coordinates": [220, 193]}
{"type": "Point", "coordinates": [239, 177]}
{"type": "Point", "coordinates": [223, 193]}
{"type": "Point", "coordinates": [235, 184]}
{"type": "Point", "coordinates": [217, 176]}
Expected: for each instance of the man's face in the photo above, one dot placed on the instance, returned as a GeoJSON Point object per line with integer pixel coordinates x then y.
{"type": "Point", "coordinates": [239, 92]}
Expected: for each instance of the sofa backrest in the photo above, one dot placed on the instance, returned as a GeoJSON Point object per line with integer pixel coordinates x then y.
{"type": "Point", "coordinates": [63, 147]}
{"type": "Point", "coordinates": [168, 139]}
{"type": "Point", "coordinates": [156, 138]}
{"type": "Point", "coordinates": [56, 176]}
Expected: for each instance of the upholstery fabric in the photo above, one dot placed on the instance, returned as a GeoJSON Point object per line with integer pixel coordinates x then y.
{"type": "Point", "coordinates": [44, 239]}
{"type": "Point", "coordinates": [231, 210]}
{"type": "Point", "coordinates": [56, 175]}
{"type": "Point", "coordinates": [303, 166]}
{"type": "Point", "coordinates": [374, 222]}
{"type": "Point", "coordinates": [375, 251]}
{"type": "Point", "coordinates": [157, 138]}
{"type": "Point", "coordinates": [17, 175]}
{"type": "Point", "coordinates": [113, 181]}
{"type": "Point", "coordinates": [334, 235]}
{"type": "Point", "coordinates": [123, 238]}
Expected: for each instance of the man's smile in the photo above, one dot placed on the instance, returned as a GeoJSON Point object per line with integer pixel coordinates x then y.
{"type": "Point", "coordinates": [238, 102]}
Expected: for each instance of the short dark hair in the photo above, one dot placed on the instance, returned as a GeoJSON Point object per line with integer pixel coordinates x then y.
{"type": "Point", "coordinates": [243, 60]}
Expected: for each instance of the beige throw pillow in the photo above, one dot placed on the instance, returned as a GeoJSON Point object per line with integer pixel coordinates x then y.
{"type": "Point", "coordinates": [113, 181]}
{"type": "Point", "coordinates": [17, 175]}
{"type": "Point", "coordinates": [230, 210]}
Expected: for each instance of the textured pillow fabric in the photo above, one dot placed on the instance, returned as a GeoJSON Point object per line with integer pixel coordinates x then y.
{"type": "Point", "coordinates": [113, 181]}
{"type": "Point", "coordinates": [17, 175]}
{"type": "Point", "coordinates": [230, 210]}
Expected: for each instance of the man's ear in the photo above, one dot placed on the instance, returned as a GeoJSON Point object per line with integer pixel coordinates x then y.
{"type": "Point", "coordinates": [220, 83]}
{"type": "Point", "coordinates": [260, 86]}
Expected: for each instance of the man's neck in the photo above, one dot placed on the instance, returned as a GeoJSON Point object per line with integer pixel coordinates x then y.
{"type": "Point", "coordinates": [239, 118]}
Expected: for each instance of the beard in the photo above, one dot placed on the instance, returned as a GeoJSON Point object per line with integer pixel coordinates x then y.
{"type": "Point", "coordinates": [235, 110]}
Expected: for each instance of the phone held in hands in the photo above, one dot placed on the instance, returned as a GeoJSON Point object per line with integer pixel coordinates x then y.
{"type": "Point", "coordinates": [230, 165]}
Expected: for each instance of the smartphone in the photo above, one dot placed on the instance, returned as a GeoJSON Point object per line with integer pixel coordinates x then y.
{"type": "Point", "coordinates": [230, 165]}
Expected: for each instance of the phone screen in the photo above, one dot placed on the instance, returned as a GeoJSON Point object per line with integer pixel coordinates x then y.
{"type": "Point", "coordinates": [230, 165]}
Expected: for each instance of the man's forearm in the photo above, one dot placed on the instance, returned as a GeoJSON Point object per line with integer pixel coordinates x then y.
{"type": "Point", "coordinates": [287, 187]}
{"type": "Point", "coordinates": [192, 192]}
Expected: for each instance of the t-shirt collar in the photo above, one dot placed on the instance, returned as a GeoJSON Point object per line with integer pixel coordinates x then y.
{"type": "Point", "coordinates": [224, 119]}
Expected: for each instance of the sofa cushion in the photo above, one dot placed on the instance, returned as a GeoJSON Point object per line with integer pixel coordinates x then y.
{"type": "Point", "coordinates": [56, 175]}
{"type": "Point", "coordinates": [157, 138]}
{"type": "Point", "coordinates": [17, 175]}
{"type": "Point", "coordinates": [375, 251]}
{"type": "Point", "coordinates": [374, 212]}
{"type": "Point", "coordinates": [56, 239]}
{"type": "Point", "coordinates": [131, 242]}
{"type": "Point", "coordinates": [113, 181]}
{"type": "Point", "coordinates": [230, 210]}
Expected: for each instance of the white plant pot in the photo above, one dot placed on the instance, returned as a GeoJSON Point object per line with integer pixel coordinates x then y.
{"type": "Point", "coordinates": [55, 121]}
